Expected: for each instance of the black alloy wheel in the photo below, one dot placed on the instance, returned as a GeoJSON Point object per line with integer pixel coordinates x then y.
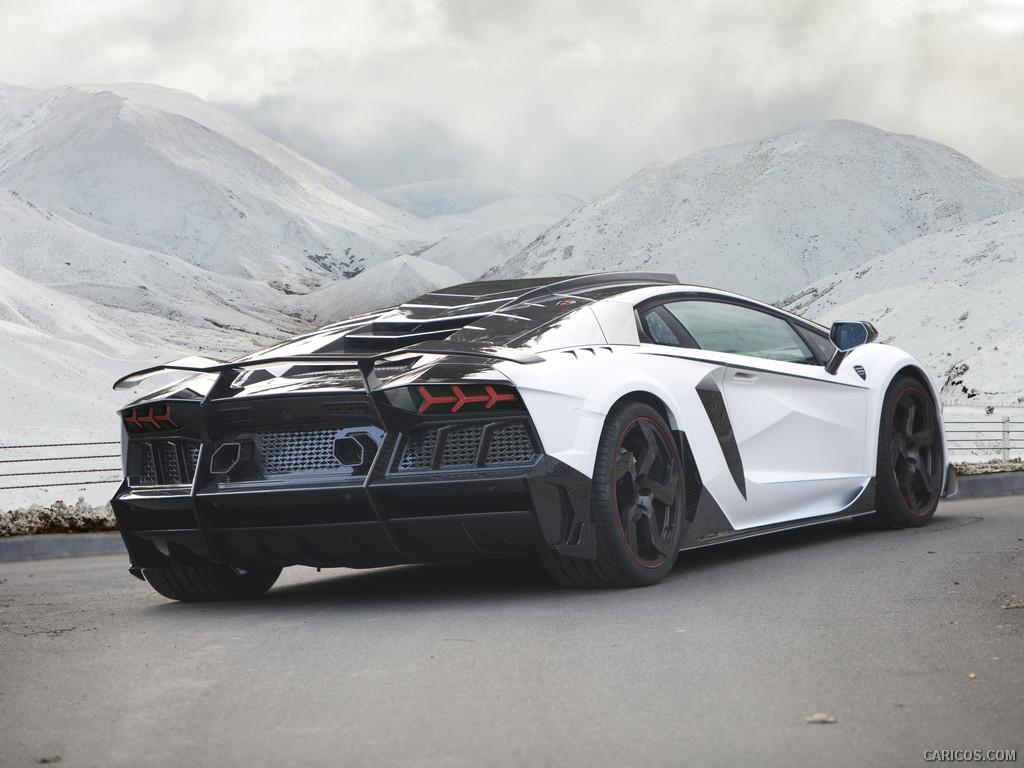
{"type": "Point", "coordinates": [646, 489]}
{"type": "Point", "coordinates": [909, 472]}
{"type": "Point", "coordinates": [636, 504]}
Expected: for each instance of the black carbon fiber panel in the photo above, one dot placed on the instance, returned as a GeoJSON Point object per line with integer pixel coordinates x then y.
{"type": "Point", "coordinates": [561, 499]}
{"type": "Point", "coordinates": [714, 404]}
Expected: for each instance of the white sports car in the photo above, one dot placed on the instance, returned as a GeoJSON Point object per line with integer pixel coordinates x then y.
{"type": "Point", "coordinates": [606, 422]}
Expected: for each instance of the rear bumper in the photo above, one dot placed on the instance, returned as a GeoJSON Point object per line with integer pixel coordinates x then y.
{"type": "Point", "coordinates": [437, 516]}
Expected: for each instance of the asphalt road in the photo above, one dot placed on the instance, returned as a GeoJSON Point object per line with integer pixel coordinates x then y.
{"type": "Point", "coordinates": [913, 640]}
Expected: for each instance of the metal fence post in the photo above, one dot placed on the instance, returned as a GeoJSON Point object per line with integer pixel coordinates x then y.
{"type": "Point", "coordinates": [1006, 438]}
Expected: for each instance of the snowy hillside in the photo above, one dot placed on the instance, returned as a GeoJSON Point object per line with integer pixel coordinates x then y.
{"type": "Point", "coordinates": [953, 299]}
{"type": "Point", "coordinates": [162, 170]}
{"type": "Point", "coordinates": [765, 216]}
{"type": "Point", "coordinates": [385, 285]}
{"type": "Point", "coordinates": [41, 247]}
{"type": "Point", "coordinates": [490, 220]}
{"type": "Point", "coordinates": [78, 311]}
{"type": "Point", "coordinates": [444, 197]}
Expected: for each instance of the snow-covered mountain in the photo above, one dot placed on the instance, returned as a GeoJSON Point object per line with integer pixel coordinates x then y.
{"type": "Point", "coordinates": [162, 170]}
{"type": "Point", "coordinates": [44, 249]}
{"type": "Point", "coordinates": [764, 216]}
{"type": "Point", "coordinates": [955, 299]}
{"type": "Point", "coordinates": [445, 197]}
{"type": "Point", "coordinates": [385, 285]}
{"type": "Point", "coordinates": [492, 220]}
{"type": "Point", "coordinates": [78, 311]}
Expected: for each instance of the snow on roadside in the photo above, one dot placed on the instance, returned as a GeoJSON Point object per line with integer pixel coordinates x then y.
{"type": "Point", "coordinates": [57, 518]}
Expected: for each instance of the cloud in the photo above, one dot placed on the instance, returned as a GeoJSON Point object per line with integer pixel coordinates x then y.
{"type": "Point", "coordinates": [574, 95]}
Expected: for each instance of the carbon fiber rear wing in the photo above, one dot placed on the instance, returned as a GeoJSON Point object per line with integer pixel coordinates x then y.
{"type": "Point", "coordinates": [363, 361]}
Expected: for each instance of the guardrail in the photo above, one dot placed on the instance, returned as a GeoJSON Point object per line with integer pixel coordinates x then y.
{"type": "Point", "coordinates": [56, 461]}
{"type": "Point", "coordinates": [998, 436]}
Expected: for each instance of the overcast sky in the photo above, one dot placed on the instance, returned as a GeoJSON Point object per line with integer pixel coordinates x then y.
{"type": "Point", "coordinates": [572, 95]}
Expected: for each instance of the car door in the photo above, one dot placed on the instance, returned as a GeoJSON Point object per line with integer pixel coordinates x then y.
{"type": "Point", "coordinates": [797, 432]}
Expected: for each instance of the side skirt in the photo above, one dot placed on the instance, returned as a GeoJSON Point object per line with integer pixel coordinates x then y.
{"type": "Point", "coordinates": [864, 504]}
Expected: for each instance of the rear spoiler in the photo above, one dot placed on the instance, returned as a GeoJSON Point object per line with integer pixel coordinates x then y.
{"type": "Point", "coordinates": [364, 361]}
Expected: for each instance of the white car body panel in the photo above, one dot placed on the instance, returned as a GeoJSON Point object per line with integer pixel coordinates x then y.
{"type": "Point", "coordinates": [807, 438]}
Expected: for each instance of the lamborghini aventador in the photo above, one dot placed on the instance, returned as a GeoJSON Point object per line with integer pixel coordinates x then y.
{"type": "Point", "coordinates": [605, 422]}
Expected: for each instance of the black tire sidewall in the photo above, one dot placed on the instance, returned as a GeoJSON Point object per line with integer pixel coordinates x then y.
{"type": "Point", "coordinates": [891, 507]}
{"type": "Point", "coordinates": [210, 583]}
{"type": "Point", "coordinates": [615, 556]}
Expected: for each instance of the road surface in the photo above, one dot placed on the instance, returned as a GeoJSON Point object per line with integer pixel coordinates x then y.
{"type": "Point", "coordinates": [912, 640]}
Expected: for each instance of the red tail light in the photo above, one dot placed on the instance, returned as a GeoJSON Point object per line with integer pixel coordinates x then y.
{"type": "Point", "coordinates": [161, 417]}
{"type": "Point", "coordinates": [149, 419]}
{"type": "Point", "coordinates": [455, 398]}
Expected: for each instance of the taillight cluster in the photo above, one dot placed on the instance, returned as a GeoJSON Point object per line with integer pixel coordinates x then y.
{"type": "Point", "coordinates": [159, 417]}
{"type": "Point", "coordinates": [455, 398]}
{"type": "Point", "coordinates": [149, 419]}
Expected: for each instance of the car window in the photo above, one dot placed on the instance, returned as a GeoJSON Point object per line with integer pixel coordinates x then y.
{"type": "Point", "coordinates": [659, 330]}
{"type": "Point", "coordinates": [819, 343]}
{"type": "Point", "coordinates": [724, 327]}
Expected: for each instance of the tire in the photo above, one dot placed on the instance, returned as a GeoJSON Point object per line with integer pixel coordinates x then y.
{"type": "Point", "coordinates": [636, 505]}
{"type": "Point", "coordinates": [210, 582]}
{"type": "Point", "coordinates": [909, 472]}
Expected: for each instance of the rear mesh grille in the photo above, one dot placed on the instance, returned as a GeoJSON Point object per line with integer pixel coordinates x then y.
{"type": "Point", "coordinates": [162, 462]}
{"type": "Point", "coordinates": [191, 458]}
{"type": "Point", "coordinates": [461, 447]}
{"type": "Point", "coordinates": [312, 450]}
{"type": "Point", "coordinates": [510, 445]}
{"type": "Point", "coordinates": [141, 468]}
{"type": "Point", "coordinates": [277, 452]}
{"type": "Point", "coordinates": [168, 453]}
{"type": "Point", "coordinates": [283, 452]}
{"type": "Point", "coordinates": [419, 451]}
{"type": "Point", "coordinates": [455, 447]}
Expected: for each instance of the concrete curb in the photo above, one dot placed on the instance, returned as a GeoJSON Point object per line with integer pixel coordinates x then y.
{"type": "Point", "coordinates": [45, 546]}
{"type": "Point", "coordinates": [48, 545]}
{"type": "Point", "coordinates": [982, 486]}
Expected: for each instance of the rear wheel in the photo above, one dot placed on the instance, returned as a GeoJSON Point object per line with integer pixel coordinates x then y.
{"type": "Point", "coordinates": [210, 582]}
{"type": "Point", "coordinates": [909, 471]}
{"type": "Point", "coordinates": [636, 505]}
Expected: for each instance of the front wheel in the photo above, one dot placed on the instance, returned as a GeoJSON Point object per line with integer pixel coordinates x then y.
{"type": "Point", "coordinates": [909, 471]}
{"type": "Point", "coordinates": [210, 582]}
{"type": "Point", "coordinates": [636, 504]}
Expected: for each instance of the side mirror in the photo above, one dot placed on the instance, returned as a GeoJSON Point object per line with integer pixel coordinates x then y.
{"type": "Point", "coordinates": [847, 337]}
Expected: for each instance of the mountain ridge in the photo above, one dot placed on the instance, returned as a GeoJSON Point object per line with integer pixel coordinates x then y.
{"type": "Point", "coordinates": [761, 216]}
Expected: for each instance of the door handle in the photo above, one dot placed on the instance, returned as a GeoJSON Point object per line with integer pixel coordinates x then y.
{"type": "Point", "coordinates": [744, 377]}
